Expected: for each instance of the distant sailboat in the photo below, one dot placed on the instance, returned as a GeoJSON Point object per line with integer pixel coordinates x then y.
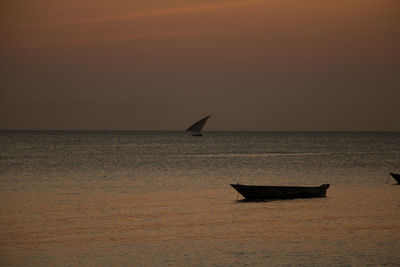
{"type": "Point", "coordinates": [196, 128]}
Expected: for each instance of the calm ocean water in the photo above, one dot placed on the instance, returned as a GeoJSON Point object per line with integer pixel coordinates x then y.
{"type": "Point", "coordinates": [163, 199]}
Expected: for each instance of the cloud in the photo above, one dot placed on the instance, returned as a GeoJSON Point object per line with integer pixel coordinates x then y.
{"type": "Point", "coordinates": [146, 14]}
{"type": "Point", "coordinates": [75, 38]}
{"type": "Point", "coordinates": [103, 39]}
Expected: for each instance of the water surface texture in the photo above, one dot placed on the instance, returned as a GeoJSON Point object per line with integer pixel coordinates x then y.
{"type": "Point", "coordinates": [163, 199]}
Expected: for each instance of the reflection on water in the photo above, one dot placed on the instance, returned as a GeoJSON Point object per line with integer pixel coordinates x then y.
{"type": "Point", "coordinates": [103, 199]}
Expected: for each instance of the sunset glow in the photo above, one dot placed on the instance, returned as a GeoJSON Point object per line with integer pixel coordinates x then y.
{"type": "Point", "coordinates": [333, 64]}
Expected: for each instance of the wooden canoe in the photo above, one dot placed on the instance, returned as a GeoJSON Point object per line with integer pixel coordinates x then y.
{"type": "Point", "coordinates": [396, 177]}
{"type": "Point", "coordinates": [257, 192]}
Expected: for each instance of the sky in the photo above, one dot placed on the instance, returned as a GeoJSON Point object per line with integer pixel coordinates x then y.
{"type": "Point", "coordinates": [272, 65]}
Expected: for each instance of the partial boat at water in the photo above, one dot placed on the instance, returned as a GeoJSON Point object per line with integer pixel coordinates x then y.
{"type": "Point", "coordinates": [196, 128]}
{"type": "Point", "coordinates": [396, 177]}
{"type": "Point", "coordinates": [257, 192]}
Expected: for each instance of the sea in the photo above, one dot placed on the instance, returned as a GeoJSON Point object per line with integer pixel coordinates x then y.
{"type": "Point", "coordinates": [163, 198]}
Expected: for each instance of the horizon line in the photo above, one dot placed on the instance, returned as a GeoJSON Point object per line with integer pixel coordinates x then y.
{"type": "Point", "coordinates": [183, 131]}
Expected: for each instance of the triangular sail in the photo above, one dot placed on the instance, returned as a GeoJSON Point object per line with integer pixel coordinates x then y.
{"type": "Point", "coordinates": [198, 126]}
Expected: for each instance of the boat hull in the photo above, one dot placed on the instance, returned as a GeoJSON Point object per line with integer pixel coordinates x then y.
{"type": "Point", "coordinates": [256, 193]}
{"type": "Point", "coordinates": [396, 177]}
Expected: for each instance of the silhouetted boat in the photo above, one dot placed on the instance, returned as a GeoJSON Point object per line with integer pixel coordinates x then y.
{"type": "Point", "coordinates": [196, 128]}
{"type": "Point", "coordinates": [257, 192]}
{"type": "Point", "coordinates": [396, 177]}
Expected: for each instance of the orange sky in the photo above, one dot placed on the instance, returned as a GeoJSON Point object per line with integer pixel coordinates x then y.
{"type": "Point", "coordinates": [160, 65]}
